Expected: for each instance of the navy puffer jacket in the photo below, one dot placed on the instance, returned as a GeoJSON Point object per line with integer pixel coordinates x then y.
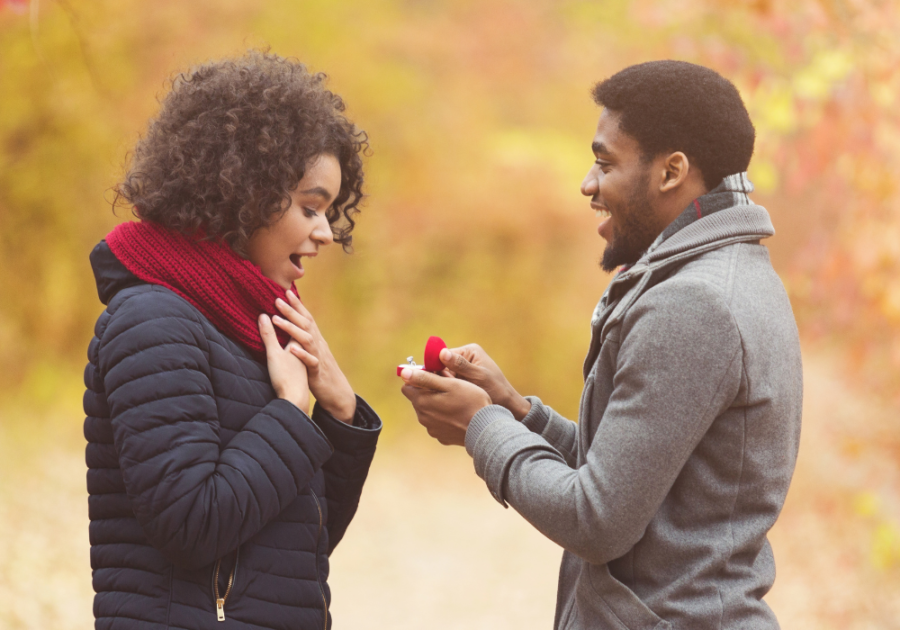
{"type": "Point", "coordinates": [200, 480]}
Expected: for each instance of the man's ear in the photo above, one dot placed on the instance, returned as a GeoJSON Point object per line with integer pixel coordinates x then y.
{"type": "Point", "coordinates": [676, 168]}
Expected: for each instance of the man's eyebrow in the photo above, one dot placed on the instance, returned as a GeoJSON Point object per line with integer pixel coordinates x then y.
{"type": "Point", "coordinates": [319, 192]}
{"type": "Point", "coordinates": [599, 147]}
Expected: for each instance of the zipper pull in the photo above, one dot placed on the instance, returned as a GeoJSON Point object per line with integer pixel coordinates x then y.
{"type": "Point", "coordinates": [220, 609]}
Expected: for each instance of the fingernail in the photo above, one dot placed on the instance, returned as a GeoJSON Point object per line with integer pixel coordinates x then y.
{"type": "Point", "coordinates": [280, 302]}
{"type": "Point", "coordinates": [446, 354]}
{"type": "Point", "coordinates": [275, 318]}
{"type": "Point", "coordinates": [406, 374]}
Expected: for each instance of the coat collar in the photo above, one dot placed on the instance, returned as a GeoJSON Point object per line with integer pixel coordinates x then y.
{"type": "Point", "coordinates": [723, 216]}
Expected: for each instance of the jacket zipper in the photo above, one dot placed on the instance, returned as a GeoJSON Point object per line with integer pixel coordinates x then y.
{"type": "Point", "coordinates": [220, 601]}
{"type": "Point", "coordinates": [318, 534]}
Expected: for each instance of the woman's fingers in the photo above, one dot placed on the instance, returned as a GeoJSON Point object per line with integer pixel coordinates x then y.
{"type": "Point", "coordinates": [267, 332]}
{"type": "Point", "coordinates": [308, 359]}
{"type": "Point", "coordinates": [299, 306]}
{"type": "Point", "coordinates": [293, 330]}
{"type": "Point", "coordinates": [290, 350]}
{"type": "Point", "coordinates": [293, 315]}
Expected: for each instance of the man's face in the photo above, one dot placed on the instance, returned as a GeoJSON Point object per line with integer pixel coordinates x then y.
{"type": "Point", "coordinates": [620, 190]}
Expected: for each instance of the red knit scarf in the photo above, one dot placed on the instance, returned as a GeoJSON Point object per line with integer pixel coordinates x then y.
{"type": "Point", "coordinates": [230, 292]}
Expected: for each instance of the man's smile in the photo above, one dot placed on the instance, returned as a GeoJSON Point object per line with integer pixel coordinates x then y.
{"type": "Point", "coordinates": [600, 209]}
{"type": "Point", "coordinates": [602, 212]}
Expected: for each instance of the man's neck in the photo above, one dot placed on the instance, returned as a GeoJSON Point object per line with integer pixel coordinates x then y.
{"type": "Point", "coordinates": [674, 203]}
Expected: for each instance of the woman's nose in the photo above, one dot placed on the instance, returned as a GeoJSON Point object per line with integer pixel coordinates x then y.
{"type": "Point", "coordinates": [323, 233]}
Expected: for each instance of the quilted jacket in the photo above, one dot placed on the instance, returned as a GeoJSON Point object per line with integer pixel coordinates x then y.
{"type": "Point", "coordinates": [213, 504]}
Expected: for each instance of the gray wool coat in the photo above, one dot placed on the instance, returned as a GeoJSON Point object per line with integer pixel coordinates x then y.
{"type": "Point", "coordinates": [663, 493]}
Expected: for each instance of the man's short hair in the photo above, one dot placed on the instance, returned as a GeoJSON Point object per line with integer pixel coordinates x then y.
{"type": "Point", "coordinates": [678, 106]}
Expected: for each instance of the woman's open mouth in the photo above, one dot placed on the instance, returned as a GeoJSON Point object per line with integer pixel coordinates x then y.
{"type": "Point", "coordinates": [296, 261]}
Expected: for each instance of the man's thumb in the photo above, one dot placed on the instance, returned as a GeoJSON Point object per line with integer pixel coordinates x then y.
{"type": "Point", "coordinates": [457, 363]}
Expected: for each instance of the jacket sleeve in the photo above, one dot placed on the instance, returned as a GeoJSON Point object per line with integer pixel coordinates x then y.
{"type": "Point", "coordinates": [678, 367]}
{"type": "Point", "coordinates": [346, 471]}
{"type": "Point", "coordinates": [194, 499]}
{"type": "Point", "coordinates": [561, 433]}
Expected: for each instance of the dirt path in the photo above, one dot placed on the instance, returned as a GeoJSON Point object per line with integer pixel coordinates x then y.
{"type": "Point", "coordinates": [837, 543]}
{"type": "Point", "coordinates": [431, 549]}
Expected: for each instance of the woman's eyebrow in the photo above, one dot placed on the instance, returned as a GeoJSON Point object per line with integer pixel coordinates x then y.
{"type": "Point", "coordinates": [319, 192]}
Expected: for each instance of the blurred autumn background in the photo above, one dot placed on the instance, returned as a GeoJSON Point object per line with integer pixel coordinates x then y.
{"type": "Point", "coordinates": [480, 123]}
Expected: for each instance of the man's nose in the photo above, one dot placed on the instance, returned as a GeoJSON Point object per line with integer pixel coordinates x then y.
{"type": "Point", "coordinates": [590, 186]}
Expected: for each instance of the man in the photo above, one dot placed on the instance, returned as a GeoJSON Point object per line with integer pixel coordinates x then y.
{"type": "Point", "coordinates": [663, 492]}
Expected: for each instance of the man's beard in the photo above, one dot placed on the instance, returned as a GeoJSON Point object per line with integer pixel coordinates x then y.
{"type": "Point", "coordinates": [634, 231]}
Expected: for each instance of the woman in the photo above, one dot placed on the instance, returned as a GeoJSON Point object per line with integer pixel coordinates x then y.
{"type": "Point", "coordinates": [216, 496]}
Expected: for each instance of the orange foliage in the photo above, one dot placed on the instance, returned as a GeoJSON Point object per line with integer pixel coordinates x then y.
{"type": "Point", "coordinates": [480, 122]}
{"type": "Point", "coordinates": [479, 116]}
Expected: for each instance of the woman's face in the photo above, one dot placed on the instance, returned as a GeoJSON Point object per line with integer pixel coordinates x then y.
{"type": "Point", "coordinates": [302, 229]}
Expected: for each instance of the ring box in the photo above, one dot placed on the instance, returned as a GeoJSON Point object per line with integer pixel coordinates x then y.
{"type": "Point", "coordinates": [432, 357]}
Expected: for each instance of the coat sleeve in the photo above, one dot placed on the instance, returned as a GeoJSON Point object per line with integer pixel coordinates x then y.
{"type": "Point", "coordinates": [678, 368]}
{"type": "Point", "coordinates": [195, 500]}
{"type": "Point", "coordinates": [561, 433]}
{"type": "Point", "coordinates": [346, 471]}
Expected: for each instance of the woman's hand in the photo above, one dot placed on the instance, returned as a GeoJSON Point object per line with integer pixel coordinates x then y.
{"type": "Point", "coordinates": [328, 384]}
{"type": "Point", "coordinates": [286, 371]}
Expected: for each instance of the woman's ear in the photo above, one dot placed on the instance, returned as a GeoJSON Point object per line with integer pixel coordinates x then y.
{"type": "Point", "coordinates": [676, 168]}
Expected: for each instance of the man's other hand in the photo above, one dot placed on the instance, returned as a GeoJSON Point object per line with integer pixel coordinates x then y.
{"type": "Point", "coordinates": [472, 363]}
{"type": "Point", "coordinates": [444, 406]}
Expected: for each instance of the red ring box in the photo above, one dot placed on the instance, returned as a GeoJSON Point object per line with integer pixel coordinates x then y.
{"type": "Point", "coordinates": [433, 364]}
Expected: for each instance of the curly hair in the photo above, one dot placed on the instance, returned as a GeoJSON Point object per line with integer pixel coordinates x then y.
{"type": "Point", "coordinates": [680, 106]}
{"type": "Point", "coordinates": [233, 138]}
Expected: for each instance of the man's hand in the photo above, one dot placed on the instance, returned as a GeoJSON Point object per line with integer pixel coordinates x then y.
{"type": "Point", "coordinates": [444, 406]}
{"type": "Point", "coordinates": [472, 363]}
{"type": "Point", "coordinates": [326, 380]}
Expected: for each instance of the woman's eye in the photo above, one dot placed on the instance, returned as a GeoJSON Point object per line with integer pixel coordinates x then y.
{"type": "Point", "coordinates": [309, 212]}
